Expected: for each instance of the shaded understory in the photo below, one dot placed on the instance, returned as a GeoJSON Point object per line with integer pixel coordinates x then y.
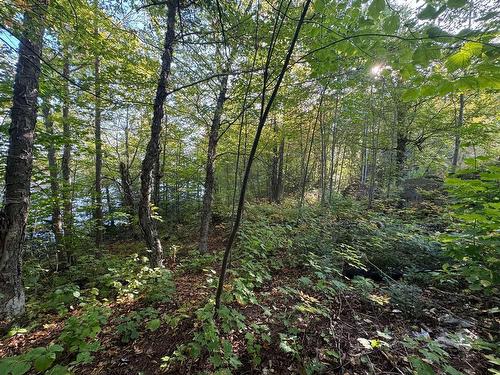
{"type": "Point", "coordinates": [312, 291]}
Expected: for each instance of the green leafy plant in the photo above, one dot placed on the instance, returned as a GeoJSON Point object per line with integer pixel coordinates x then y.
{"type": "Point", "coordinates": [39, 359]}
{"type": "Point", "coordinates": [131, 324]}
{"type": "Point", "coordinates": [475, 192]}
{"type": "Point", "coordinates": [80, 332]}
{"type": "Point", "coordinates": [62, 298]}
{"type": "Point", "coordinates": [363, 285]}
{"type": "Point", "coordinates": [255, 338]}
{"type": "Point", "coordinates": [290, 344]}
{"type": "Point", "coordinates": [429, 353]}
{"type": "Point", "coordinates": [209, 338]}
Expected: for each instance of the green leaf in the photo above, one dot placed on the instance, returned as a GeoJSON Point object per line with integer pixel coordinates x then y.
{"type": "Point", "coordinates": [452, 371]}
{"type": "Point", "coordinates": [44, 362]}
{"type": "Point", "coordinates": [392, 23]}
{"type": "Point", "coordinates": [436, 32]}
{"type": "Point", "coordinates": [445, 87]}
{"type": "Point", "coordinates": [492, 359]}
{"type": "Point", "coordinates": [410, 94]}
{"type": "Point", "coordinates": [153, 325]}
{"type": "Point", "coordinates": [462, 58]}
{"type": "Point", "coordinates": [16, 367]}
{"type": "Point", "coordinates": [375, 8]}
{"type": "Point", "coordinates": [455, 4]}
{"type": "Point", "coordinates": [428, 13]}
{"type": "Point", "coordinates": [427, 90]}
{"type": "Point", "coordinates": [421, 368]}
{"type": "Point", "coordinates": [456, 61]}
{"type": "Point", "coordinates": [424, 54]}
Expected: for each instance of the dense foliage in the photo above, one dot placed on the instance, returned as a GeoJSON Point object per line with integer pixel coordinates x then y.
{"type": "Point", "coordinates": [249, 187]}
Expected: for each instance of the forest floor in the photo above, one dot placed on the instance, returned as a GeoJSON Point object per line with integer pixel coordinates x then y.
{"type": "Point", "coordinates": [297, 320]}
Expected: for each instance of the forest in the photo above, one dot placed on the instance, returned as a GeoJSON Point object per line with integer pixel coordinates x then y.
{"type": "Point", "coordinates": [249, 187]}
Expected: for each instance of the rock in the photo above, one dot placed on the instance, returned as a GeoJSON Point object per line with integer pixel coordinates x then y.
{"type": "Point", "coordinates": [459, 340]}
{"type": "Point", "coordinates": [455, 321]}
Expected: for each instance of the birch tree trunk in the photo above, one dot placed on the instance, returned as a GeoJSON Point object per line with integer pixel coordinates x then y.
{"type": "Point", "coordinates": [14, 214]}
{"type": "Point", "coordinates": [148, 226]}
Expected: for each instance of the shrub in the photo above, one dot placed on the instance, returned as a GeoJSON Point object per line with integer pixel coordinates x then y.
{"type": "Point", "coordinates": [475, 210]}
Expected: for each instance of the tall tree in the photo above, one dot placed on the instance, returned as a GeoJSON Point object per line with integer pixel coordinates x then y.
{"type": "Point", "coordinates": [276, 183]}
{"type": "Point", "coordinates": [14, 214]}
{"type": "Point", "coordinates": [56, 220]}
{"type": "Point", "coordinates": [98, 216]}
{"type": "Point", "coordinates": [265, 108]}
{"type": "Point", "coordinates": [213, 138]}
{"type": "Point", "coordinates": [458, 126]}
{"type": "Point", "coordinates": [153, 148]}
{"type": "Point", "coordinates": [66, 161]}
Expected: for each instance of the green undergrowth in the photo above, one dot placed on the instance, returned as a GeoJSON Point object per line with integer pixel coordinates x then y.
{"type": "Point", "coordinates": [81, 297]}
{"type": "Point", "coordinates": [318, 242]}
{"type": "Point", "coordinates": [286, 284]}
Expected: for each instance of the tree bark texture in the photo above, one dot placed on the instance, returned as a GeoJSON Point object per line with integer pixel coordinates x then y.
{"type": "Point", "coordinates": [14, 214]}
{"type": "Point", "coordinates": [98, 215]}
{"type": "Point", "coordinates": [148, 226]}
{"type": "Point", "coordinates": [127, 195]}
{"type": "Point", "coordinates": [65, 166]}
{"type": "Point", "coordinates": [206, 213]}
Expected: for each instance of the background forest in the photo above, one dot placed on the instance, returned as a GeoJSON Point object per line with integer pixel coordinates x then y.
{"type": "Point", "coordinates": [254, 186]}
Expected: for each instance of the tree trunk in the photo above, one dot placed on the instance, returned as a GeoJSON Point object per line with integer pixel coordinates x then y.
{"type": "Point", "coordinates": [402, 141]}
{"type": "Point", "coordinates": [276, 188]}
{"type": "Point", "coordinates": [65, 166]}
{"type": "Point", "coordinates": [333, 162]}
{"type": "Point", "coordinates": [341, 169]}
{"type": "Point", "coordinates": [157, 175]}
{"type": "Point", "coordinates": [56, 219]}
{"type": "Point", "coordinates": [323, 161]}
{"type": "Point", "coordinates": [14, 214]}
{"type": "Point", "coordinates": [306, 167]}
{"type": "Point", "coordinates": [364, 160]}
{"type": "Point", "coordinates": [98, 216]}
{"type": "Point", "coordinates": [110, 207]}
{"type": "Point", "coordinates": [153, 149]}
{"type": "Point", "coordinates": [128, 197]}
{"type": "Point", "coordinates": [460, 122]}
{"type": "Point", "coordinates": [206, 213]}
{"type": "Point", "coordinates": [281, 161]}
{"type": "Point", "coordinates": [273, 186]}
{"type": "Point", "coordinates": [373, 168]}
{"type": "Point", "coordinates": [264, 113]}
